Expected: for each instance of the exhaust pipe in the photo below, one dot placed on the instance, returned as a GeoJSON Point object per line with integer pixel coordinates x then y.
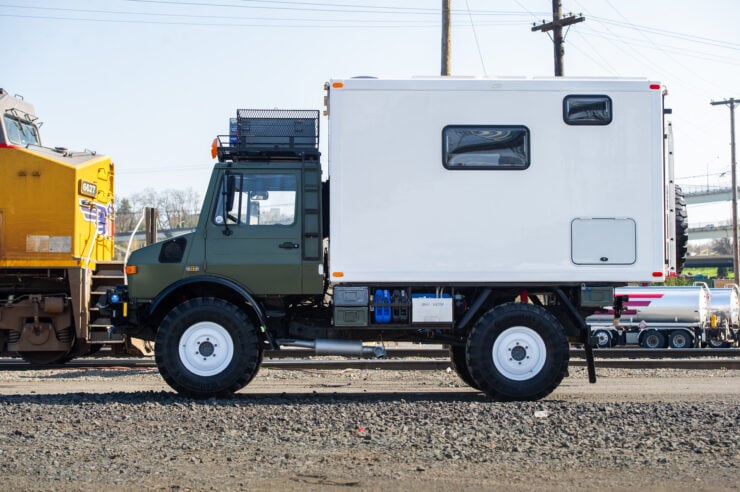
{"type": "Point", "coordinates": [323, 346]}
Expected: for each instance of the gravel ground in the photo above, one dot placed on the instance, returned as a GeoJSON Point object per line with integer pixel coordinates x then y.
{"type": "Point", "coordinates": [369, 430]}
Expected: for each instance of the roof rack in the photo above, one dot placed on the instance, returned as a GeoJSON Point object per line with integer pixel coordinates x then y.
{"type": "Point", "coordinates": [257, 134]}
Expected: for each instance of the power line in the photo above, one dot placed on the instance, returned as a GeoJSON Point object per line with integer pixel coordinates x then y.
{"type": "Point", "coordinates": [331, 7]}
{"type": "Point", "coordinates": [475, 35]}
{"type": "Point", "coordinates": [313, 25]}
{"type": "Point", "coordinates": [662, 32]}
{"type": "Point", "coordinates": [611, 36]}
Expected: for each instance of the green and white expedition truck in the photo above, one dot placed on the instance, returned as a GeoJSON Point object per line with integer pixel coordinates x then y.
{"type": "Point", "coordinates": [489, 215]}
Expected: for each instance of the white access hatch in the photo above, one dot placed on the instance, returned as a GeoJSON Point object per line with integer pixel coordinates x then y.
{"type": "Point", "coordinates": [603, 241]}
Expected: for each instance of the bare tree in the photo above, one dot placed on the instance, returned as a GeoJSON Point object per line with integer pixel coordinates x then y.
{"type": "Point", "coordinates": [721, 246]}
{"type": "Point", "coordinates": [176, 208]}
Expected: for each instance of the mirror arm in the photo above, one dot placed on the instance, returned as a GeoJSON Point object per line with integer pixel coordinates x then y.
{"type": "Point", "coordinates": [224, 200]}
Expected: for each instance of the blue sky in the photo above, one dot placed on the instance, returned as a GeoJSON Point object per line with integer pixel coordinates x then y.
{"type": "Point", "coordinates": [151, 83]}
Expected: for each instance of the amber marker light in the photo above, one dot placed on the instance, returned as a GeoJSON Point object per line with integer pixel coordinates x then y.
{"type": "Point", "coordinates": [132, 269]}
{"type": "Point", "coordinates": [337, 274]}
{"type": "Point", "coordinates": [214, 148]}
{"type": "Point", "coordinates": [337, 85]}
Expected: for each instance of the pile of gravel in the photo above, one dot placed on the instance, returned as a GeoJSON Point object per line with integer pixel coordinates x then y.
{"type": "Point", "coordinates": [160, 440]}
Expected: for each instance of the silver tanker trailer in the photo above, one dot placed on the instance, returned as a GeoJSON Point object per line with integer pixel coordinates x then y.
{"type": "Point", "coordinates": [725, 305]}
{"type": "Point", "coordinates": [660, 317]}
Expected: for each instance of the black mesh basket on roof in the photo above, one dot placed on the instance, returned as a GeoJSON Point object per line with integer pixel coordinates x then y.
{"type": "Point", "coordinates": [277, 129]}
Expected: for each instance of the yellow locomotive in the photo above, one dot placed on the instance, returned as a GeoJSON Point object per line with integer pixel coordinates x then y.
{"type": "Point", "coordinates": [56, 242]}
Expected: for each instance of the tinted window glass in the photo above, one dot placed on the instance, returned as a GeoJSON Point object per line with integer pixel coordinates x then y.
{"type": "Point", "coordinates": [258, 199]}
{"type": "Point", "coordinates": [486, 147]}
{"type": "Point", "coordinates": [20, 132]}
{"type": "Point", "coordinates": [587, 110]}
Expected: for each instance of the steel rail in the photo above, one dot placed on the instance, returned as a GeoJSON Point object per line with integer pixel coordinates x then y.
{"type": "Point", "coordinates": [419, 363]}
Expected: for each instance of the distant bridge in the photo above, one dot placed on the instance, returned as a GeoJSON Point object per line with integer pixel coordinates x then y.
{"type": "Point", "coordinates": [695, 194]}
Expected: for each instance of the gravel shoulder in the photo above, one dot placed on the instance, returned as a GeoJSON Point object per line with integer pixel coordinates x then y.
{"type": "Point", "coordinates": [124, 429]}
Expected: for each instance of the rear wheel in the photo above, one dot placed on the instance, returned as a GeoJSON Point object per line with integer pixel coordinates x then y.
{"type": "Point", "coordinates": [653, 339]}
{"type": "Point", "coordinates": [460, 365]}
{"type": "Point", "coordinates": [682, 230]}
{"type": "Point", "coordinates": [207, 347]}
{"type": "Point", "coordinates": [517, 352]}
{"type": "Point", "coordinates": [680, 339]}
{"type": "Point", "coordinates": [717, 343]}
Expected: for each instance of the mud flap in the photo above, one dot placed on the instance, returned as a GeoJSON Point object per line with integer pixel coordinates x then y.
{"type": "Point", "coordinates": [585, 333]}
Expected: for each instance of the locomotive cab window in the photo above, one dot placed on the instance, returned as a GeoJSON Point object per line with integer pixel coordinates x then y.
{"type": "Point", "coordinates": [587, 110]}
{"type": "Point", "coordinates": [20, 132]}
{"type": "Point", "coordinates": [485, 147]}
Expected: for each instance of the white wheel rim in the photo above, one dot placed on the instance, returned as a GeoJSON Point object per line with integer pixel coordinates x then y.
{"type": "Point", "coordinates": [206, 348]}
{"type": "Point", "coordinates": [519, 353]}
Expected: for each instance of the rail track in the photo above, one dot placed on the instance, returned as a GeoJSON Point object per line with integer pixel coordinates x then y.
{"type": "Point", "coordinates": [431, 359]}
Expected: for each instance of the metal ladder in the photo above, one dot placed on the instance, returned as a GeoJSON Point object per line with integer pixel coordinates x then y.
{"type": "Point", "coordinates": [108, 274]}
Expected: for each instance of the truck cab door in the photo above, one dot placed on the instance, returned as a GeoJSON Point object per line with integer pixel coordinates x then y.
{"type": "Point", "coordinates": [254, 233]}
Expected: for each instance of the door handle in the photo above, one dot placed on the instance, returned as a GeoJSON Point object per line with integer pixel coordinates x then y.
{"type": "Point", "coordinates": [289, 245]}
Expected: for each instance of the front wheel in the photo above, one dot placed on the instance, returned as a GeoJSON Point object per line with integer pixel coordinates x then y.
{"type": "Point", "coordinates": [207, 347]}
{"type": "Point", "coordinates": [601, 339]}
{"type": "Point", "coordinates": [517, 352]}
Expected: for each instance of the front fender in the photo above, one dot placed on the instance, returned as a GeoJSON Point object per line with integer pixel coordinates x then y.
{"type": "Point", "coordinates": [209, 286]}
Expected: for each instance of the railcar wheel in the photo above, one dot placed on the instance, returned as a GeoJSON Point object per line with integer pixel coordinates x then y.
{"type": "Point", "coordinates": [653, 339]}
{"type": "Point", "coordinates": [517, 352]}
{"type": "Point", "coordinates": [45, 358]}
{"type": "Point", "coordinates": [680, 339]}
{"type": "Point", "coordinates": [207, 347]}
{"type": "Point", "coordinates": [602, 339]}
{"type": "Point", "coordinates": [460, 365]}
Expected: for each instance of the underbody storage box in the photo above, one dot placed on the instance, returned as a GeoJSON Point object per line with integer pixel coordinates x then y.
{"type": "Point", "coordinates": [431, 310]}
{"type": "Point", "coordinates": [350, 296]}
{"type": "Point", "coordinates": [350, 316]}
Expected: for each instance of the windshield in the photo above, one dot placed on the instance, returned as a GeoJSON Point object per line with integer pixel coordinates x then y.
{"type": "Point", "coordinates": [21, 132]}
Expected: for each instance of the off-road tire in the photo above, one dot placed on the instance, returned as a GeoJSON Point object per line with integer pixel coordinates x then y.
{"type": "Point", "coordinates": [531, 356]}
{"type": "Point", "coordinates": [200, 329]}
{"type": "Point", "coordinates": [460, 365]}
{"type": "Point", "coordinates": [682, 230]}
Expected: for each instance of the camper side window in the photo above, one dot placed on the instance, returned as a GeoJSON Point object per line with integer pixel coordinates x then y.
{"type": "Point", "coordinates": [485, 147]}
{"type": "Point", "coordinates": [587, 110]}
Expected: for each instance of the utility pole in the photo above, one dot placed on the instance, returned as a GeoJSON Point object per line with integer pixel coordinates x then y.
{"type": "Point", "coordinates": [732, 102]}
{"type": "Point", "coordinates": [446, 38]}
{"type": "Point", "coordinates": [556, 26]}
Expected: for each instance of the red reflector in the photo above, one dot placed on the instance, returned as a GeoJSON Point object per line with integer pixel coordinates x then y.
{"type": "Point", "coordinates": [655, 86]}
{"type": "Point", "coordinates": [7, 146]}
{"type": "Point", "coordinates": [657, 274]}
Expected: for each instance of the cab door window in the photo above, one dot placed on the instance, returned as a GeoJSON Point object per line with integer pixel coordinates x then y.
{"type": "Point", "coordinates": [257, 200]}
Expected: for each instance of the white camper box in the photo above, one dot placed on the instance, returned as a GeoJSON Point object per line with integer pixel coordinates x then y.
{"type": "Point", "coordinates": [567, 202]}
